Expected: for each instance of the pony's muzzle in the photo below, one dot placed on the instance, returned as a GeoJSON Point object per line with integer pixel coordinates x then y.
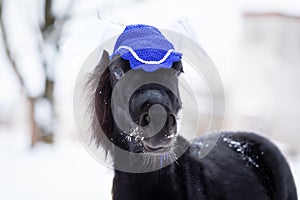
{"type": "Point", "coordinates": [159, 124]}
{"type": "Point", "coordinates": [165, 137]}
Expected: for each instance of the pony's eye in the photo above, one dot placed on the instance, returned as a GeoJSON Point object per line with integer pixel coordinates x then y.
{"type": "Point", "coordinates": [118, 72]}
{"type": "Point", "coordinates": [179, 72]}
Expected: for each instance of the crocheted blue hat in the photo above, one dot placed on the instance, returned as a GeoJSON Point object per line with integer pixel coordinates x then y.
{"type": "Point", "coordinates": [145, 48]}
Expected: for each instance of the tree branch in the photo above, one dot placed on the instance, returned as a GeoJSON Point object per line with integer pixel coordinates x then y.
{"type": "Point", "coordinates": [54, 24]}
{"type": "Point", "coordinates": [9, 53]}
{"type": "Point", "coordinates": [48, 16]}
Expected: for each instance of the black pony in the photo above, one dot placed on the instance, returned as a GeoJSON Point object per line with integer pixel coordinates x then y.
{"type": "Point", "coordinates": [241, 166]}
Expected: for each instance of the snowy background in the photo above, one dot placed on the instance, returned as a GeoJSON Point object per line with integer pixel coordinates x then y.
{"type": "Point", "coordinates": [254, 45]}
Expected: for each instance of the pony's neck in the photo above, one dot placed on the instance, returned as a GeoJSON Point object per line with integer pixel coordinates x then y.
{"type": "Point", "coordinates": [165, 183]}
{"type": "Point", "coordinates": [158, 184]}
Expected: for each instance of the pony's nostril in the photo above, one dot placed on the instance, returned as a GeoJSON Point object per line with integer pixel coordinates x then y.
{"type": "Point", "coordinates": [171, 123]}
{"type": "Point", "coordinates": [145, 119]}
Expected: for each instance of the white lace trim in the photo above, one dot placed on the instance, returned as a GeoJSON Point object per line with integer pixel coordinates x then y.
{"type": "Point", "coordinates": [149, 62]}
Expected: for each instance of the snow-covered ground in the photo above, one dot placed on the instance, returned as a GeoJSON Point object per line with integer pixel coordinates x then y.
{"type": "Point", "coordinates": [64, 171]}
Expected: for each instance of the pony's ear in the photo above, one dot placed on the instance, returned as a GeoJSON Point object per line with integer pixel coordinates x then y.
{"type": "Point", "coordinates": [100, 90]}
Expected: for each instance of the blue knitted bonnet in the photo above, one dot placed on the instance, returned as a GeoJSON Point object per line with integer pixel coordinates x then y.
{"type": "Point", "coordinates": [145, 48]}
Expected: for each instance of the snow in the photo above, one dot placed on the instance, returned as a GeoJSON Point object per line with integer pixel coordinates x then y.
{"type": "Point", "coordinates": [63, 171]}
{"type": "Point", "coordinates": [22, 40]}
{"type": "Point", "coordinates": [291, 7]}
{"type": "Point", "coordinates": [241, 148]}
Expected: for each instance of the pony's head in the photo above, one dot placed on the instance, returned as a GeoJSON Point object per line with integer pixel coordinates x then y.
{"type": "Point", "coordinates": [134, 93]}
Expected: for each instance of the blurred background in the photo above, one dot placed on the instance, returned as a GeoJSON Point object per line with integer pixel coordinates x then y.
{"type": "Point", "coordinates": [255, 46]}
